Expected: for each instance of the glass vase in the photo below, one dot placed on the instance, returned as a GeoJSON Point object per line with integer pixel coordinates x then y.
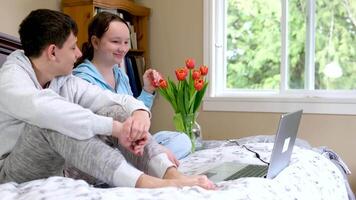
{"type": "Point", "coordinates": [198, 136]}
{"type": "Point", "coordinates": [188, 125]}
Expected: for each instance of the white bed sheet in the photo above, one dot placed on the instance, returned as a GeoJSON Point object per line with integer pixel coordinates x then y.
{"type": "Point", "coordinates": [309, 176]}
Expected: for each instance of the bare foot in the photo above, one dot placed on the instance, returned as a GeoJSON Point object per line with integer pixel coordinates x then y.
{"type": "Point", "coordinates": [199, 180]}
{"type": "Point", "coordinates": [183, 180]}
{"type": "Point", "coordinates": [146, 181]}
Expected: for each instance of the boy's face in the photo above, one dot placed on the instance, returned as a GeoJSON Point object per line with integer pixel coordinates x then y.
{"type": "Point", "coordinates": [66, 56]}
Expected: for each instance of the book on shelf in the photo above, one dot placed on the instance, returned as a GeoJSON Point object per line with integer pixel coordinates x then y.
{"type": "Point", "coordinates": [133, 36]}
{"type": "Point", "coordinates": [135, 68]}
{"type": "Point", "coordinates": [113, 11]}
{"type": "Point", "coordinates": [133, 39]}
{"type": "Point", "coordinates": [137, 76]}
{"type": "Point", "coordinates": [134, 80]}
{"type": "Point", "coordinates": [141, 67]}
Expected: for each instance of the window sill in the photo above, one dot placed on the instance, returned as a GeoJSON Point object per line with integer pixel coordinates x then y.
{"type": "Point", "coordinates": [279, 103]}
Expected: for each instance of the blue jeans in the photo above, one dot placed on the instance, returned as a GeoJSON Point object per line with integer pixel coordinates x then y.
{"type": "Point", "coordinates": [179, 143]}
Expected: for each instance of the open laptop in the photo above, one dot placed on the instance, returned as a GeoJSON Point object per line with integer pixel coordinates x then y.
{"type": "Point", "coordinates": [280, 157]}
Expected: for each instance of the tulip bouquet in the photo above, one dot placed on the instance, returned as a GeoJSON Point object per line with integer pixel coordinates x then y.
{"type": "Point", "coordinates": [186, 95]}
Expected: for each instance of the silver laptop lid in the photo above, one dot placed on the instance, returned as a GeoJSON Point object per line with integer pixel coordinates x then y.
{"type": "Point", "coordinates": [284, 142]}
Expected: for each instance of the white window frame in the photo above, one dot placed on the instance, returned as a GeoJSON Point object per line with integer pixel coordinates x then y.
{"type": "Point", "coordinates": [219, 98]}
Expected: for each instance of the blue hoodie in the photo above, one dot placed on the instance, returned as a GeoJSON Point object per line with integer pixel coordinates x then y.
{"type": "Point", "coordinates": [88, 72]}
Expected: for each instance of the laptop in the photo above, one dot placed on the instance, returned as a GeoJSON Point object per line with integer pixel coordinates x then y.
{"type": "Point", "coordinates": [280, 157]}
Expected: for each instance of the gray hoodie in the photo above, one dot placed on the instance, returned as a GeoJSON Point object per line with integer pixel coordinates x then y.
{"type": "Point", "coordinates": [67, 105]}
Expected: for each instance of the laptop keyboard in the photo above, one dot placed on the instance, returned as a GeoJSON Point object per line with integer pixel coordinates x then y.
{"type": "Point", "coordinates": [250, 171]}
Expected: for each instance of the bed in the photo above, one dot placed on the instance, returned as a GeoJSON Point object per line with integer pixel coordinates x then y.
{"type": "Point", "coordinates": [313, 173]}
{"type": "Point", "coordinates": [310, 175]}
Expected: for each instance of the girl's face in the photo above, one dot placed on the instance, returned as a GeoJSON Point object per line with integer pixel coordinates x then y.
{"type": "Point", "coordinates": [112, 47]}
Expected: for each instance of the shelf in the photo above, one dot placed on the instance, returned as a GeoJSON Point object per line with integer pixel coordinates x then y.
{"type": "Point", "coordinates": [82, 12]}
{"type": "Point", "coordinates": [126, 5]}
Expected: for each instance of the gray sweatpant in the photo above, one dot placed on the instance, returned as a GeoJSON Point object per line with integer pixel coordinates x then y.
{"type": "Point", "coordinates": [41, 153]}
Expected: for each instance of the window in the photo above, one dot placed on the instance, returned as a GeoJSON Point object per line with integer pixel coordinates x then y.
{"type": "Point", "coordinates": [279, 56]}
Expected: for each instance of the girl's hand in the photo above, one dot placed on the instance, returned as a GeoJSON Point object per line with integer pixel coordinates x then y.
{"type": "Point", "coordinates": [151, 80]}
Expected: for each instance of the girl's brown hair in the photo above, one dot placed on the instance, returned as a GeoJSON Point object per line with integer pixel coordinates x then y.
{"type": "Point", "coordinates": [97, 27]}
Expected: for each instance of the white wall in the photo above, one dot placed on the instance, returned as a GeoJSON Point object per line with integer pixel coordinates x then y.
{"type": "Point", "coordinates": [12, 12]}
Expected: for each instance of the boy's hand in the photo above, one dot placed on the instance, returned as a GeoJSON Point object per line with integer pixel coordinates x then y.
{"type": "Point", "coordinates": [133, 132]}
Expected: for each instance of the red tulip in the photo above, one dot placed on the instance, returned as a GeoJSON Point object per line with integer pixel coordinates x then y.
{"type": "Point", "coordinates": [155, 80]}
{"type": "Point", "coordinates": [181, 73]}
{"type": "Point", "coordinates": [163, 84]}
{"type": "Point", "coordinates": [203, 70]}
{"type": "Point", "coordinates": [154, 83]}
{"type": "Point", "coordinates": [190, 63]}
{"type": "Point", "coordinates": [198, 84]}
{"type": "Point", "coordinates": [196, 74]}
{"type": "Point", "coordinates": [186, 94]}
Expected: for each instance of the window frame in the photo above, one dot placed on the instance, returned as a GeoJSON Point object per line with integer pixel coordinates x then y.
{"type": "Point", "coordinates": [219, 98]}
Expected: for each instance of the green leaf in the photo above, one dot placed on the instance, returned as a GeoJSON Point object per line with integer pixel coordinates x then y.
{"type": "Point", "coordinates": [172, 85]}
{"type": "Point", "coordinates": [170, 95]}
{"type": "Point", "coordinates": [180, 98]}
{"type": "Point", "coordinates": [199, 97]}
{"type": "Point", "coordinates": [178, 122]}
{"type": "Point", "coordinates": [173, 98]}
{"type": "Point", "coordinates": [192, 102]}
{"type": "Point", "coordinates": [186, 97]}
{"type": "Point", "coordinates": [164, 93]}
{"type": "Point", "coordinates": [191, 85]}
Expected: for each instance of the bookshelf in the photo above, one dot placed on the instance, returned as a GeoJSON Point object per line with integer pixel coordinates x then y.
{"type": "Point", "coordinates": [83, 10]}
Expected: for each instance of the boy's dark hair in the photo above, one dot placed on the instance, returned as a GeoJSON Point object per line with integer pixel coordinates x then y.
{"type": "Point", "coordinates": [43, 27]}
{"type": "Point", "coordinates": [97, 27]}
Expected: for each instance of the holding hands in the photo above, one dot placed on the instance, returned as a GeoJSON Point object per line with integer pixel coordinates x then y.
{"type": "Point", "coordinates": [133, 132]}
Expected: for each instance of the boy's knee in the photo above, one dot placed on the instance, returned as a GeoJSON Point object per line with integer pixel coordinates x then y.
{"type": "Point", "coordinates": [117, 112]}
{"type": "Point", "coordinates": [32, 131]}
